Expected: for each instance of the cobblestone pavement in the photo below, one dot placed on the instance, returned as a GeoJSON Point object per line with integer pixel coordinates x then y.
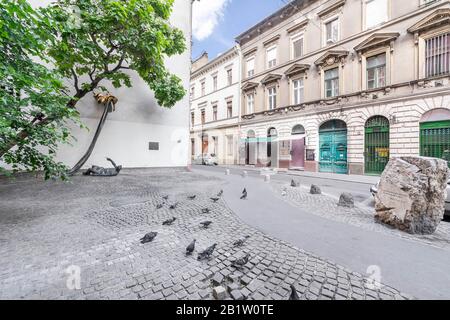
{"type": "Point", "coordinates": [47, 228]}
{"type": "Point", "coordinates": [359, 216]}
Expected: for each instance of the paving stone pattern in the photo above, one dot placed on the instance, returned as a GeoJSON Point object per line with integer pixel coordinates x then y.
{"type": "Point", "coordinates": [360, 216]}
{"type": "Point", "coordinates": [95, 223]}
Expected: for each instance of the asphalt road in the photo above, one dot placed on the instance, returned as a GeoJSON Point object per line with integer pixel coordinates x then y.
{"type": "Point", "coordinates": [415, 268]}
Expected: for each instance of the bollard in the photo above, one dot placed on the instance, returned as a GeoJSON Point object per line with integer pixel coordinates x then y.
{"type": "Point", "coordinates": [267, 178]}
{"type": "Point", "coordinates": [227, 172]}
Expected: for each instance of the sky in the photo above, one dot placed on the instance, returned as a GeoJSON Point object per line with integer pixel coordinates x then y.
{"type": "Point", "coordinates": [217, 22]}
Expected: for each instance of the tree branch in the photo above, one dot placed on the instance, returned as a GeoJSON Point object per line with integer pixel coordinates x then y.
{"type": "Point", "coordinates": [91, 74]}
{"type": "Point", "coordinates": [75, 78]}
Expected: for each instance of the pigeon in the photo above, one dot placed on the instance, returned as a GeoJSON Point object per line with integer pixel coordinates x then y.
{"type": "Point", "coordinates": [205, 210]}
{"type": "Point", "coordinates": [148, 237]}
{"type": "Point", "coordinates": [214, 199]}
{"type": "Point", "coordinates": [294, 295]}
{"type": "Point", "coordinates": [220, 193]}
{"type": "Point", "coordinates": [284, 192]}
{"type": "Point", "coordinates": [205, 224]}
{"type": "Point", "coordinates": [239, 263]}
{"type": "Point", "coordinates": [192, 197]}
{"type": "Point", "coordinates": [244, 194]}
{"type": "Point", "coordinates": [190, 248]}
{"type": "Point", "coordinates": [207, 252]}
{"type": "Point", "coordinates": [169, 221]}
{"type": "Point", "coordinates": [173, 206]}
{"type": "Point", "coordinates": [159, 205]}
{"type": "Point", "coordinates": [165, 197]}
{"type": "Point", "coordinates": [240, 242]}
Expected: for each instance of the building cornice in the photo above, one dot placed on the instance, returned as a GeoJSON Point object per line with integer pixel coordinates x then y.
{"type": "Point", "coordinates": [331, 57]}
{"type": "Point", "coordinates": [298, 26]}
{"type": "Point", "coordinates": [437, 18]}
{"type": "Point", "coordinates": [273, 20]}
{"type": "Point", "coordinates": [343, 102]}
{"type": "Point", "coordinates": [222, 59]}
{"type": "Point", "coordinates": [376, 40]}
{"type": "Point", "coordinates": [296, 69]}
{"type": "Point", "coordinates": [271, 77]}
{"type": "Point", "coordinates": [336, 5]}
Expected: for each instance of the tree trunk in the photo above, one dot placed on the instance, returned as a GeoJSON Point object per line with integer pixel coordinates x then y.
{"type": "Point", "coordinates": [88, 153]}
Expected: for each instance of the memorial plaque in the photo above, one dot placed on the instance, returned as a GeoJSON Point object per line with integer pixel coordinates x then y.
{"type": "Point", "coordinates": [153, 145]}
{"type": "Point", "coordinates": [395, 198]}
{"type": "Point", "coordinates": [310, 154]}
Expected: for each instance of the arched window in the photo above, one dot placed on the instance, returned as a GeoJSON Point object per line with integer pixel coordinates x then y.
{"type": "Point", "coordinates": [298, 129]}
{"type": "Point", "coordinates": [435, 134]}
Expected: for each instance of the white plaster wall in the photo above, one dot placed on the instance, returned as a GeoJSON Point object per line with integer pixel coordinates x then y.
{"type": "Point", "coordinates": [138, 119]}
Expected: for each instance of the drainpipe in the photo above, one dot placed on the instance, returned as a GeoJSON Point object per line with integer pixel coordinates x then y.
{"type": "Point", "coordinates": [238, 48]}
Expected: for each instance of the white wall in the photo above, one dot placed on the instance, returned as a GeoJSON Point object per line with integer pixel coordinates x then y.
{"type": "Point", "coordinates": [138, 119]}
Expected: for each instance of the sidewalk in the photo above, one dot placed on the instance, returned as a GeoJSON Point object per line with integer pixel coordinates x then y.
{"type": "Point", "coordinates": [322, 175]}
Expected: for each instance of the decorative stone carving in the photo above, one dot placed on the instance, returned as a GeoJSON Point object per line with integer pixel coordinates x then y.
{"type": "Point", "coordinates": [411, 194]}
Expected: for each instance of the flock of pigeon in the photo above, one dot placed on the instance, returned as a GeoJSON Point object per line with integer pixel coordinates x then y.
{"type": "Point", "coordinates": [206, 254]}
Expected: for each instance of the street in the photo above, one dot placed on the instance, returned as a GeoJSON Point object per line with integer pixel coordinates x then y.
{"type": "Point", "coordinates": [415, 264]}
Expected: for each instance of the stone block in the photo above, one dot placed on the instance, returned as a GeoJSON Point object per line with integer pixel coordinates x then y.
{"type": "Point", "coordinates": [315, 189]}
{"type": "Point", "coordinates": [411, 194]}
{"type": "Point", "coordinates": [219, 293]}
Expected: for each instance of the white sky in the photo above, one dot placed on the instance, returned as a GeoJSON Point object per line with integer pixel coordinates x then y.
{"type": "Point", "coordinates": [206, 16]}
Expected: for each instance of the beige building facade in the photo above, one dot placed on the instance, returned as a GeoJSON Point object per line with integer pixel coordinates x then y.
{"type": "Point", "coordinates": [343, 85]}
{"type": "Point", "coordinates": [214, 107]}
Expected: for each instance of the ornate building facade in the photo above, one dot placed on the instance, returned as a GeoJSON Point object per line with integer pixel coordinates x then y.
{"type": "Point", "coordinates": [342, 85]}
{"type": "Point", "coordinates": [215, 105]}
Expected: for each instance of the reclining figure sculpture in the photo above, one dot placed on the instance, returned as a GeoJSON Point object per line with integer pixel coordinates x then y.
{"type": "Point", "coordinates": [103, 172]}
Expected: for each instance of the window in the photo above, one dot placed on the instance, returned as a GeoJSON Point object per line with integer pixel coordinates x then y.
{"type": "Point", "coordinates": [230, 145]}
{"type": "Point", "coordinates": [427, 2]}
{"type": "Point", "coordinates": [332, 31]}
{"type": "Point", "coordinates": [215, 145]}
{"type": "Point", "coordinates": [203, 88]}
{"type": "Point", "coordinates": [332, 83]}
{"type": "Point", "coordinates": [230, 76]}
{"type": "Point", "coordinates": [203, 116]}
{"type": "Point", "coordinates": [192, 92]}
{"type": "Point", "coordinates": [250, 67]}
{"type": "Point", "coordinates": [250, 103]}
{"type": "Point", "coordinates": [271, 57]}
{"type": "Point", "coordinates": [376, 71]}
{"type": "Point", "coordinates": [437, 55]}
{"type": "Point", "coordinates": [272, 98]}
{"type": "Point", "coordinates": [229, 109]}
{"type": "Point", "coordinates": [214, 112]}
{"type": "Point", "coordinates": [192, 119]}
{"type": "Point", "coordinates": [376, 12]}
{"type": "Point", "coordinates": [297, 46]}
{"type": "Point", "coordinates": [298, 91]}
{"type": "Point", "coordinates": [215, 83]}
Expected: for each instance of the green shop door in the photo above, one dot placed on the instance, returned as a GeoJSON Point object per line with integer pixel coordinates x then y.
{"type": "Point", "coordinates": [377, 144]}
{"type": "Point", "coordinates": [435, 139]}
{"type": "Point", "coordinates": [333, 147]}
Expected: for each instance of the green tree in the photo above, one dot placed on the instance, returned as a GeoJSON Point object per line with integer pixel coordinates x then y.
{"type": "Point", "coordinates": [29, 92]}
{"type": "Point", "coordinates": [94, 41]}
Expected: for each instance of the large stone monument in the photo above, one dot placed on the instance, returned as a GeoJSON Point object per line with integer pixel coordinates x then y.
{"type": "Point", "coordinates": [411, 194]}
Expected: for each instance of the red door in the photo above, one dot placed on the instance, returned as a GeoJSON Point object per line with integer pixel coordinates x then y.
{"type": "Point", "coordinates": [298, 153]}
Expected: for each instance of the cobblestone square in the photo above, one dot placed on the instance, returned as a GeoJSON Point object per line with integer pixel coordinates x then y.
{"type": "Point", "coordinates": [49, 229]}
